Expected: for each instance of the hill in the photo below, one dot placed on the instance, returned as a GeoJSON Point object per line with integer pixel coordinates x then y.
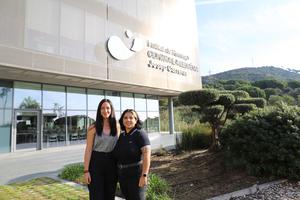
{"type": "Point", "coordinates": [253, 74]}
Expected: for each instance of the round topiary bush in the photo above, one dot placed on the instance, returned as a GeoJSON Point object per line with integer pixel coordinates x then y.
{"type": "Point", "coordinates": [265, 142]}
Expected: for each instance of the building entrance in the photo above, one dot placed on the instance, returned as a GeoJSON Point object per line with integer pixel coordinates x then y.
{"type": "Point", "coordinates": [27, 130]}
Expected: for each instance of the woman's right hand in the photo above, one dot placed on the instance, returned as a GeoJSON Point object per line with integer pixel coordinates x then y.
{"type": "Point", "coordinates": [87, 177]}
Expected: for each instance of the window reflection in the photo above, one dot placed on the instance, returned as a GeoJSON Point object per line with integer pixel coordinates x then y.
{"type": "Point", "coordinates": [140, 102]}
{"type": "Point", "coordinates": [27, 95]}
{"type": "Point", "coordinates": [76, 123]}
{"type": "Point", "coordinates": [76, 98]}
{"type": "Point", "coordinates": [91, 117]}
{"type": "Point", "coordinates": [5, 117]}
{"type": "Point", "coordinates": [143, 117]}
{"type": "Point", "coordinates": [152, 103]}
{"type": "Point", "coordinates": [5, 94]}
{"type": "Point", "coordinates": [127, 101]}
{"type": "Point", "coordinates": [54, 97]}
{"type": "Point", "coordinates": [94, 97]}
{"type": "Point", "coordinates": [118, 115]}
{"type": "Point", "coordinates": [114, 97]}
{"type": "Point", "coordinates": [54, 128]}
{"type": "Point", "coordinates": [152, 122]}
{"type": "Point", "coordinates": [5, 130]}
{"type": "Point", "coordinates": [26, 129]}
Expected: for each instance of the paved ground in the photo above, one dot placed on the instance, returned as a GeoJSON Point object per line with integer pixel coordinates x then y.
{"type": "Point", "coordinates": [21, 166]}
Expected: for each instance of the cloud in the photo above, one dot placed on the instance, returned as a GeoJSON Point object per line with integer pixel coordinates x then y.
{"type": "Point", "coordinates": [205, 2]}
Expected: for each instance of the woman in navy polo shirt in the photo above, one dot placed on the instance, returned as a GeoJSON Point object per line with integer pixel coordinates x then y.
{"type": "Point", "coordinates": [133, 156]}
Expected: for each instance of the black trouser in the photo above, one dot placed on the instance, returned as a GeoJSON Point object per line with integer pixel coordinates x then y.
{"type": "Point", "coordinates": [103, 171]}
{"type": "Point", "coordinates": [129, 183]}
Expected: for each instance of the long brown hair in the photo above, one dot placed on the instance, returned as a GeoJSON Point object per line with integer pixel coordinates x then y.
{"type": "Point", "coordinates": [112, 119]}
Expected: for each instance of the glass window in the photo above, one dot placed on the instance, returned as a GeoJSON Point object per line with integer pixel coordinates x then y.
{"type": "Point", "coordinates": [5, 130]}
{"type": "Point", "coordinates": [152, 103]}
{"type": "Point", "coordinates": [91, 117]}
{"type": "Point", "coordinates": [152, 122]}
{"type": "Point", "coordinates": [72, 31]}
{"type": "Point", "coordinates": [54, 97]}
{"type": "Point", "coordinates": [76, 98]}
{"type": "Point", "coordinates": [5, 94]}
{"type": "Point", "coordinates": [127, 101]}
{"type": "Point", "coordinates": [54, 128]}
{"type": "Point", "coordinates": [94, 97]}
{"type": "Point", "coordinates": [76, 122]}
{"type": "Point", "coordinates": [140, 102]}
{"type": "Point", "coordinates": [143, 117]}
{"type": "Point", "coordinates": [114, 97]}
{"type": "Point", "coordinates": [118, 115]}
{"type": "Point", "coordinates": [42, 25]}
{"type": "Point", "coordinates": [27, 95]}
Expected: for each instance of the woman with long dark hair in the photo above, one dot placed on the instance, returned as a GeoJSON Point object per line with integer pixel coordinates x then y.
{"type": "Point", "coordinates": [100, 169]}
{"type": "Point", "coordinates": [133, 156]}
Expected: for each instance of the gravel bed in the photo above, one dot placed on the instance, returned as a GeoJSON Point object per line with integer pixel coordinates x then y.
{"type": "Point", "coordinates": [280, 191]}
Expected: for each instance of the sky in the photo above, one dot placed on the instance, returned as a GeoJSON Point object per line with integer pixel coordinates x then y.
{"type": "Point", "coordinates": [248, 33]}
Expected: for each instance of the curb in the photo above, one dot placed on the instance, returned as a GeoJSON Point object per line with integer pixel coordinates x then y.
{"type": "Point", "coordinates": [246, 191]}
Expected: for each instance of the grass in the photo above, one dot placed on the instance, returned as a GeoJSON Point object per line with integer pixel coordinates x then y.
{"type": "Point", "coordinates": [41, 189]}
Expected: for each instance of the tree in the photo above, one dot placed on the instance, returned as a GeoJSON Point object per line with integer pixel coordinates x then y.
{"type": "Point", "coordinates": [4, 94]}
{"type": "Point", "coordinates": [253, 91]}
{"type": "Point", "coordinates": [272, 91]}
{"type": "Point", "coordinates": [270, 83]}
{"type": "Point", "coordinates": [29, 103]}
{"type": "Point", "coordinates": [293, 84]}
{"type": "Point", "coordinates": [277, 100]}
{"type": "Point", "coordinates": [216, 107]}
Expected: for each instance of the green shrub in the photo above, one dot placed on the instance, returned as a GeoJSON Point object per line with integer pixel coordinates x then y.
{"type": "Point", "coordinates": [238, 94]}
{"type": "Point", "coordinates": [265, 142]}
{"type": "Point", "coordinates": [259, 102]}
{"type": "Point", "coordinates": [243, 108]}
{"type": "Point", "coordinates": [72, 172]}
{"type": "Point", "coordinates": [253, 91]}
{"type": "Point", "coordinates": [196, 136]}
{"type": "Point", "coordinates": [199, 97]}
{"type": "Point", "coordinates": [157, 189]}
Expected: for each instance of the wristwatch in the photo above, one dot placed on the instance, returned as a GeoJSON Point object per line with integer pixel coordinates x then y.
{"type": "Point", "coordinates": [145, 175]}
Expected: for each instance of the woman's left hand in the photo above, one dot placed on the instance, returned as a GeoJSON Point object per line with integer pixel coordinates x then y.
{"type": "Point", "coordinates": [143, 181]}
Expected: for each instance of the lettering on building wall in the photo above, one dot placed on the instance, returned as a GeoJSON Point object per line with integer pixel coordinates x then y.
{"type": "Point", "coordinates": [160, 57]}
{"type": "Point", "coordinates": [168, 60]}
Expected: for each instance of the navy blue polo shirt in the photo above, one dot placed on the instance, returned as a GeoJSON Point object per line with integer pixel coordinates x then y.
{"type": "Point", "coordinates": [128, 148]}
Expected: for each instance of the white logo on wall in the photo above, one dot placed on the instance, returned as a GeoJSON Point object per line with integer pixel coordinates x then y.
{"type": "Point", "coordinates": [159, 57]}
{"type": "Point", "coordinates": [120, 51]}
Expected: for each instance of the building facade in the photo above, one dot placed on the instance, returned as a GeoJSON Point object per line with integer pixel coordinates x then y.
{"type": "Point", "coordinates": [59, 58]}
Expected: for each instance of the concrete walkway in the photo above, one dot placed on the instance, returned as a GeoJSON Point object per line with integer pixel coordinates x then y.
{"type": "Point", "coordinates": [21, 166]}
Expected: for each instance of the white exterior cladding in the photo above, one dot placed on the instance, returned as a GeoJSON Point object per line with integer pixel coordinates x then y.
{"type": "Point", "coordinates": [65, 42]}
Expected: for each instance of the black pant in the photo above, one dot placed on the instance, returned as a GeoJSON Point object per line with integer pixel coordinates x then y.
{"type": "Point", "coordinates": [103, 171]}
{"type": "Point", "coordinates": [129, 183]}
